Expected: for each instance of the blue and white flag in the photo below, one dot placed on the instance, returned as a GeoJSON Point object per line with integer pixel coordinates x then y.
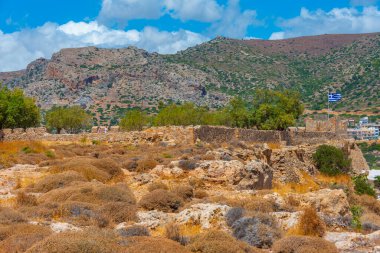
{"type": "Point", "coordinates": [335, 97]}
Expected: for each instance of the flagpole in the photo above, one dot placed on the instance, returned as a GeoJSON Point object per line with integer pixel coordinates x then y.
{"type": "Point", "coordinates": [328, 105]}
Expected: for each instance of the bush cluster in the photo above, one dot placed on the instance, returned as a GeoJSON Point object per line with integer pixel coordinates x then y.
{"type": "Point", "coordinates": [331, 160]}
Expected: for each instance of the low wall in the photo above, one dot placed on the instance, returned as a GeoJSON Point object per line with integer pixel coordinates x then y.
{"type": "Point", "coordinates": [185, 135]}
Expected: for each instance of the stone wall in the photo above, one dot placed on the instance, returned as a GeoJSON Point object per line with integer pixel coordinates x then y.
{"type": "Point", "coordinates": [178, 135]}
{"type": "Point", "coordinates": [333, 124]}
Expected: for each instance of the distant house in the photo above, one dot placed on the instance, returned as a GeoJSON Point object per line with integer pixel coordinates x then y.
{"type": "Point", "coordinates": [364, 133]}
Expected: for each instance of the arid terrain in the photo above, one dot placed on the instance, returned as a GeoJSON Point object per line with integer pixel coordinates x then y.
{"type": "Point", "coordinates": [151, 194]}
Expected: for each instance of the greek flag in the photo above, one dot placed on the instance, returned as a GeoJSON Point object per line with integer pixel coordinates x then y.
{"type": "Point", "coordinates": [335, 97]}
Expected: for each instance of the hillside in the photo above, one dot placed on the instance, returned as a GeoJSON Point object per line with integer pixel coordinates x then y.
{"type": "Point", "coordinates": [109, 81]}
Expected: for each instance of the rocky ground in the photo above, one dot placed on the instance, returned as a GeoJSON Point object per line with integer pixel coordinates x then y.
{"type": "Point", "coordinates": [155, 197]}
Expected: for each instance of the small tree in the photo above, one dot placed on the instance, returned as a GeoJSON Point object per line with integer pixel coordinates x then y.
{"type": "Point", "coordinates": [134, 120]}
{"type": "Point", "coordinates": [362, 186]}
{"type": "Point", "coordinates": [238, 113]}
{"type": "Point", "coordinates": [72, 119]}
{"type": "Point", "coordinates": [331, 160]}
{"type": "Point", "coordinates": [17, 110]}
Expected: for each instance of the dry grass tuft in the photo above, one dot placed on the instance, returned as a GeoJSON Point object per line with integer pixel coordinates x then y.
{"type": "Point", "coordinates": [215, 241]}
{"type": "Point", "coordinates": [143, 244]}
{"type": "Point", "coordinates": [10, 216]}
{"type": "Point", "coordinates": [200, 194]}
{"type": "Point", "coordinates": [20, 237]}
{"type": "Point", "coordinates": [119, 212]}
{"type": "Point", "coordinates": [310, 224]}
{"type": "Point", "coordinates": [91, 240]}
{"type": "Point", "coordinates": [23, 199]}
{"type": "Point", "coordinates": [92, 192]}
{"type": "Point", "coordinates": [134, 231]}
{"type": "Point", "coordinates": [185, 192]}
{"type": "Point", "coordinates": [56, 181]}
{"type": "Point", "coordinates": [303, 244]}
{"type": "Point", "coordinates": [145, 165]}
{"type": "Point", "coordinates": [156, 186]}
{"type": "Point", "coordinates": [173, 232]}
{"type": "Point", "coordinates": [161, 200]}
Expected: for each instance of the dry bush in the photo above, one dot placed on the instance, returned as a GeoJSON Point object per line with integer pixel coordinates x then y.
{"type": "Point", "coordinates": [102, 170]}
{"type": "Point", "coordinates": [133, 231]}
{"type": "Point", "coordinates": [370, 222]}
{"type": "Point", "coordinates": [303, 244]}
{"type": "Point", "coordinates": [144, 244]}
{"type": "Point", "coordinates": [233, 215]}
{"type": "Point", "coordinates": [185, 192]}
{"type": "Point", "coordinates": [365, 201]}
{"type": "Point", "coordinates": [156, 186]}
{"type": "Point", "coordinates": [200, 194]}
{"type": "Point", "coordinates": [91, 192]}
{"type": "Point", "coordinates": [56, 181]}
{"type": "Point", "coordinates": [161, 200]}
{"type": "Point", "coordinates": [145, 165]}
{"type": "Point", "coordinates": [91, 240]}
{"type": "Point", "coordinates": [215, 241]}
{"type": "Point", "coordinates": [23, 199]}
{"type": "Point", "coordinates": [196, 182]}
{"type": "Point", "coordinates": [208, 157]}
{"type": "Point", "coordinates": [31, 158]}
{"type": "Point", "coordinates": [130, 165]}
{"type": "Point", "coordinates": [10, 216]}
{"type": "Point", "coordinates": [188, 164]}
{"type": "Point", "coordinates": [119, 212]}
{"type": "Point", "coordinates": [173, 232]}
{"type": "Point", "coordinates": [260, 231]}
{"type": "Point", "coordinates": [250, 204]}
{"type": "Point", "coordinates": [20, 237]}
{"type": "Point", "coordinates": [310, 223]}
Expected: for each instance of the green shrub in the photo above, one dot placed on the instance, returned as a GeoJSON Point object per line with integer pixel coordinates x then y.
{"type": "Point", "coordinates": [134, 120]}
{"type": "Point", "coordinates": [377, 181]}
{"type": "Point", "coordinates": [356, 212]}
{"type": "Point", "coordinates": [362, 186]}
{"type": "Point", "coordinates": [50, 154]}
{"type": "Point", "coordinates": [27, 150]}
{"type": "Point", "coordinates": [331, 160]}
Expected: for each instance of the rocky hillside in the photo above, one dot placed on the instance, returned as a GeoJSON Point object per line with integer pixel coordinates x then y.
{"type": "Point", "coordinates": [109, 81]}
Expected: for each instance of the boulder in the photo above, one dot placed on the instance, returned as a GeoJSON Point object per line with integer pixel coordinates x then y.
{"type": "Point", "coordinates": [257, 175]}
{"type": "Point", "coordinates": [60, 227]}
{"type": "Point", "coordinates": [223, 171]}
{"type": "Point", "coordinates": [206, 215]}
{"type": "Point", "coordinates": [354, 242]}
{"type": "Point", "coordinates": [332, 205]}
{"type": "Point", "coordinates": [152, 219]}
{"type": "Point", "coordinates": [286, 220]}
{"type": "Point", "coordinates": [163, 171]}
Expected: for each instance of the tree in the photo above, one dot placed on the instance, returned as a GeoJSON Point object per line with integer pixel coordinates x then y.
{"type": "Point", "coordinates": [275, 110]}
{"type": "Point", "coordinates": [238, 113]}
{"type": "Point", "coordinates": [134, 120]}
{"type": "Point", "coordinates": [17, 110]}
{"type": "Point", "coordinates": [331, 160]}
{"type": "Point", "coordinates": [72, 119]}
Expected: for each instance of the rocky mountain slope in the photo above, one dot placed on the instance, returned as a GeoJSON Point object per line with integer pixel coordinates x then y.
{"type": "Point", "coordinates": [109, 81]}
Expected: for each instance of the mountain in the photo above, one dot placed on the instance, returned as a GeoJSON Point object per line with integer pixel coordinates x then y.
{"type": "Point", "coordinates": [110, 81]}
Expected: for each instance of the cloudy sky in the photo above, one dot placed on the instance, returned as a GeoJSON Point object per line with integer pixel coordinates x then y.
{"type": "Point", "coordinates": [30, 29]}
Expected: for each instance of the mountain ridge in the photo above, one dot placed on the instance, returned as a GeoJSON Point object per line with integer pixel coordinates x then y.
{"type": "Point", "coordinates": [110, 81]}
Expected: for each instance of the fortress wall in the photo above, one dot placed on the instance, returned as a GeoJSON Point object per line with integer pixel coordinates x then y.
{"type": "Point", "coordinates": [183, 135]}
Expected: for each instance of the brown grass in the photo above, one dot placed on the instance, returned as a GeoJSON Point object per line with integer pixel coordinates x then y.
{"type": "Point", "coordinates": [173, 232]}
{"type": "Point", "coordinates": [370, 222]}
{"type": "Point", "coordinates": [303, 244]}
{"type": "Point", "coordinates": [119, 212]}
{"type": "Point", "coordinates": [56, 181]}
{"type": "Point", "coordinates": [161, 200]}
{"type": "Point", "coordinates": [365, 201]}
{"type": "Point", "coordinates": [215, 241]}
{"type": "Point", "coordinates": [91, 240]}
{"type": "Point", "coordinates": [309, 224]}
{"type": "Point", "coordinates": [145, 165]}
{"type": "Point", "coordinates": [96, 193]}
{"type": "Point", "coordinates": [156, 186]}
{"type": "Point", "coordinates": [23, 199]}
{"type": "Point", "coordinates": [143, 244]}
{"type": "Point", "coordinates": [20, 237]}
{"type": "Point", "coordinates": [102, 170]}
{"type": "Point", "coordinates": [10, 216]}
{"type": "Point", "coordinates": [185, 192]}
{"type": "Point", "coordinates": [200, 194]}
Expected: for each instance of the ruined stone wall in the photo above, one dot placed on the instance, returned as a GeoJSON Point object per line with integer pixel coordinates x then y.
{"type": "Point", "coordinates": [333, 124]}
{"type": "Point", "coordinates": [179, 135]}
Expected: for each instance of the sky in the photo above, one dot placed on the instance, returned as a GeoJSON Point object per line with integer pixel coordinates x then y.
{"type": "Point", "coordinates": [30, 29]}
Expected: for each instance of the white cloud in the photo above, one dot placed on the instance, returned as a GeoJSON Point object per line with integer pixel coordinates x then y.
{"type": "Point", "coordinates": [234, 23]}
{"type": "Point", "coordinates": [120, 11]}
{"type": "Point", "coordinates": [20, 48]}
{"type": "Point", "coordinates": [200, 10]}
{"type": "Point", "coordinates": [336, 21]}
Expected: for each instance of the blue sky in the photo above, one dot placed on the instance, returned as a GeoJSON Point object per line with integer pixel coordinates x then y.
{"type": "Point", "coordinates": [30, 29]}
